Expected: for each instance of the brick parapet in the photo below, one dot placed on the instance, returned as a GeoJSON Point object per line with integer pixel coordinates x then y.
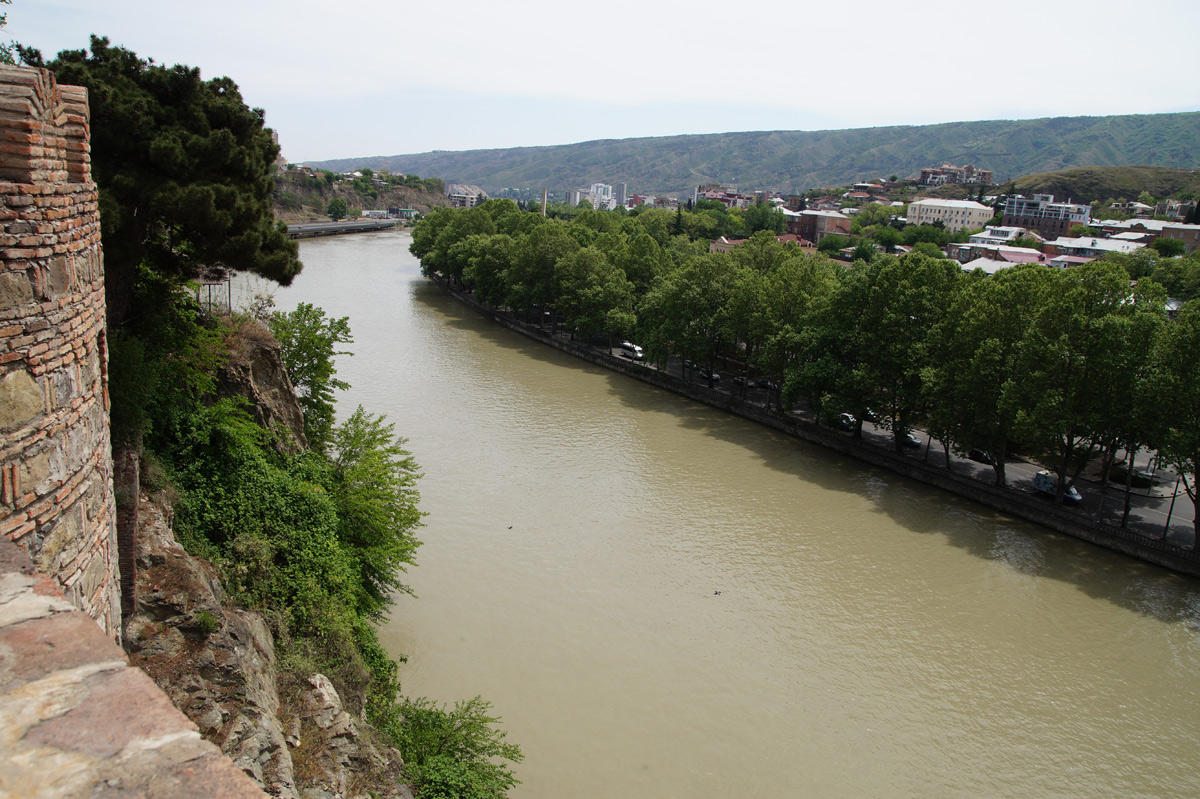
{"type": "Point", "coordinates": [56, 496]}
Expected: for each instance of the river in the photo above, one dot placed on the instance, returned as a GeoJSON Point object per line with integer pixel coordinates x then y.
{"type": "Point", "coordinates": [664, 601]}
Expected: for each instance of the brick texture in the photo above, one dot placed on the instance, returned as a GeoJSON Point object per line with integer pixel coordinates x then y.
{"type": "Point", "coordinates": [56, 496]}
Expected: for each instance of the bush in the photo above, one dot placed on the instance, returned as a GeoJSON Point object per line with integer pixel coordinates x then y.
{"type": "Point", "coordinates": [449, 754]}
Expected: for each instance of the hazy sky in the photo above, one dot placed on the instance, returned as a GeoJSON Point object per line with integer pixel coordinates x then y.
{"type": "Point", "coordinates": [385, 77]}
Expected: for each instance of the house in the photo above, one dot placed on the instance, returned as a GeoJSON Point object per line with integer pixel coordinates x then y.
{"type": "Point", "coordinates": [1088, 247]}
{"type": "Point", "coordinates": [815, 225]}
{"type": "Point", "coordinates": [1064, 261]}
{"type": "Point", "coordinates": [1041, 213]}
{"type": "Point", "coordinates": [997, 235]}
{"type": "Point", "coordinates": [1135, 209]}
{"type": "Point", "coordinates": [1175, 210]}
{"type": "Point", "coordinates": [968, 253]}
{"type": "Point", "coordinates": [954, 214]}
{"type": "Point", "coordinates": [948, 173]}
{"type": "Point", "coordinates": [725, 245]}
{"type": "Point", "coordinates": [1188, 234]}
{"type": "Point", "coordinates": [465, 196]}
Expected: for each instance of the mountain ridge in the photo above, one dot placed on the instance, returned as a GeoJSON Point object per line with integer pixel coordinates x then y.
{"type": "Point", "coordinates": [794, 161]}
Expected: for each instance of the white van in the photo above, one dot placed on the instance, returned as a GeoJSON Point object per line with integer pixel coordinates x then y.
{"type": "Point", "coordinates": [630, 350]}
{"type": "Point", "coordinates": [1047, 483]}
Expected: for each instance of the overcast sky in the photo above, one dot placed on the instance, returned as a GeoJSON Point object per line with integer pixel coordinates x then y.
{"type": "Point", "coordinates": [387, 77]}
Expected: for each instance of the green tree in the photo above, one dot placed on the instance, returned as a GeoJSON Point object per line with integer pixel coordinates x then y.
{"type": "Point", "coordinates": [594, 296]}
{"type": "Point", "coordinates": [184, 171]}
{"type": "Point", "coordinates": [832, 243]}
{"type": "Point", "coordinates": [1169, 248]}
{"type": "Point", "coordinates": [1172, 390]}
{"type": "Point", "coordinates": [374, 487]}
{"type": "Point", "coordinates": [1067, 360]}
{"type": "Point", "coordinates": [453, 754]}
{"type": "Point", "coordinates": [974, 357]}
{"type": "Point", "coordinates": [762, 216]}
{"type": "Point", "coordinates": [8, 52]}
{"type": "Point", "coordinates": [865, 251]}
{"type": "Point", "coordinates": [310, 343]}
{"type": "Point", "coordinates": [337, 209]}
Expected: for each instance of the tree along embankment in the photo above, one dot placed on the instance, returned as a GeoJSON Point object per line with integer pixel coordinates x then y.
{"type": "Point", "coordinates": [1007, 499]}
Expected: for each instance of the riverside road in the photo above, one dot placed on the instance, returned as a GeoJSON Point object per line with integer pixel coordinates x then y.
{"type": "Point", "coordinates": [1150, 508]}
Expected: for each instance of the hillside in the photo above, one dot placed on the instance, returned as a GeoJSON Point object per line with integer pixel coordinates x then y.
{"type": "Point", "coordinates": [789, 161]}
{"type": "Point", "coordinates": [1087, 183]}
{"type": "Point", "coordinates": [299, 197]}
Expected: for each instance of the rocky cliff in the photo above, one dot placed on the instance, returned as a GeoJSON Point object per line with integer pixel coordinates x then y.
{"type": "Point", "coordinates": [217, 664]}
{"type": "Point", "coordinates": [255, 371]}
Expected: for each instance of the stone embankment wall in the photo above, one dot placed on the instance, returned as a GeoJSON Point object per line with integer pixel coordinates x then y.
{"type": "Point", "coordinates": [1006, 500]}
{"type": "Point", "coordinates": [56, 496]}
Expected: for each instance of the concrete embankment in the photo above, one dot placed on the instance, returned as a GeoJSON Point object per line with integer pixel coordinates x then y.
{"type": "Point", "coordinates": [1007, 500]}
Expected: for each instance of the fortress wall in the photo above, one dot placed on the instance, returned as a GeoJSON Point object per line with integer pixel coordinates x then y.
{"type": "Point", "coordinates": [56, 495]}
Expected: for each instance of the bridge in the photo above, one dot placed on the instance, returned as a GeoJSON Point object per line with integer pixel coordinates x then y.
{"type": "Point", "coordinates": [309, 230]}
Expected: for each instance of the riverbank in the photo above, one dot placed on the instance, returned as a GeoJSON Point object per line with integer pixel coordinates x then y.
{"type": "Point", "coordinates": [311, 230]}
{"type": "Point", "coordinates": [1011, 500]}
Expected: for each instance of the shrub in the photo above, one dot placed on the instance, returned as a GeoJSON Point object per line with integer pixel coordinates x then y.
{"type": "Point", "coordinates": [449, 754]}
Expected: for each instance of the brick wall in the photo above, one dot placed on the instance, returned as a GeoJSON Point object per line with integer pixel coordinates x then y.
{"type": "Point", "coordinates": [56, 496]}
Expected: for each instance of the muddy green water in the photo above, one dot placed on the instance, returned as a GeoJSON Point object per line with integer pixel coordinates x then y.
{"type": "Point", "coordinates": [870, 638]}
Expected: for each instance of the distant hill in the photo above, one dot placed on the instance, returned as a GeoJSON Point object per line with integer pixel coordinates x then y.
{"type": "Point", "coordinates": [1087, 183]}
{"type": "Point", "coordinates": [790, 161]}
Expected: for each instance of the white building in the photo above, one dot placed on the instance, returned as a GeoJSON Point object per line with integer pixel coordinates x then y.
{"type": "Point", "coordinates": [954, 214]}
{"type": "Point", "coordinates": [1088, 247]}
{"type": "Point", "coordinates": [997, 235]}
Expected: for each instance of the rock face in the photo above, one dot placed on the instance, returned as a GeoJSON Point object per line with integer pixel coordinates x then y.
{"type": "Point", "coordinates": [217, 665]}
{"type": "Point", "coordinates": [337, 755]}
{"type": "Point", "coordinates": [256, 372]}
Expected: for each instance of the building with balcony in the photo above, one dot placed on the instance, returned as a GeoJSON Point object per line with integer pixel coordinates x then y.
{"type": "Point", "coordinates": [1041, 213]}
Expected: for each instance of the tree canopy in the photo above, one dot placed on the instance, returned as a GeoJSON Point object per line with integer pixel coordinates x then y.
{"type": "Point", "coordinates": [184, 171]}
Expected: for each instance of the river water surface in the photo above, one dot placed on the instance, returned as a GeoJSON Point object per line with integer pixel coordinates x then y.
{"type": "Point", "coordinates": [664, 601]}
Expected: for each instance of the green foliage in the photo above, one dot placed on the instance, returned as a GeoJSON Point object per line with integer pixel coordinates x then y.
{"type": "Point", "coordinates": [451, 754]}
{"type": "Point", "coordinates": [1169, 248]}
{"type": "Point", "coordinates": [833, 243]}
{"type": "Point", "coordinates": [1088, 184]}
{"type": "Point", "coordinates": [184, 171]}
{"type": "Point", "coordinates": [337, 209]}
{"type": "Point", "coordinates": [207, 622]}
{"type": "Point", "coordinates": [8, 52]}
{"type": "Point", "coordinates": [310, 342]}
{"type": "Point", "coordinates": [373, 481]}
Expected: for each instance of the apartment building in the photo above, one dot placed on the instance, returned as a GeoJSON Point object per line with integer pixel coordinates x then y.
{"type": "Point", "coordinates": [1041, 213]}
{"type": "Point", "coordinates": [954, 214]}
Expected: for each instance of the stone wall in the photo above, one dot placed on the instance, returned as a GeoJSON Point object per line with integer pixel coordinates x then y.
{"type": "Point", "coordinates": [56, 496]}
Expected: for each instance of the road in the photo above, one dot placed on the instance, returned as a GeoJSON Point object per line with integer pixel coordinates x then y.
{"type": "Point", "coordinates": [1150, 508]}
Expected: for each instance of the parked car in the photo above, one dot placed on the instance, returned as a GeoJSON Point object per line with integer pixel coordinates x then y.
{"type": "Point", "coordinates": [846, 421]}
{"type": "Point", "coordinates": [982, 456]}
{"type": "Point", "coordinates": [1047, 483]}
{"type": "Point", "coordinates": [910, 439]}
{"type": "Point", "coordinates": [767, 384]}
{"type": "Point", "coordinates": [740, 380]}
{"type": "Point", "coordinates": [705, 374]}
